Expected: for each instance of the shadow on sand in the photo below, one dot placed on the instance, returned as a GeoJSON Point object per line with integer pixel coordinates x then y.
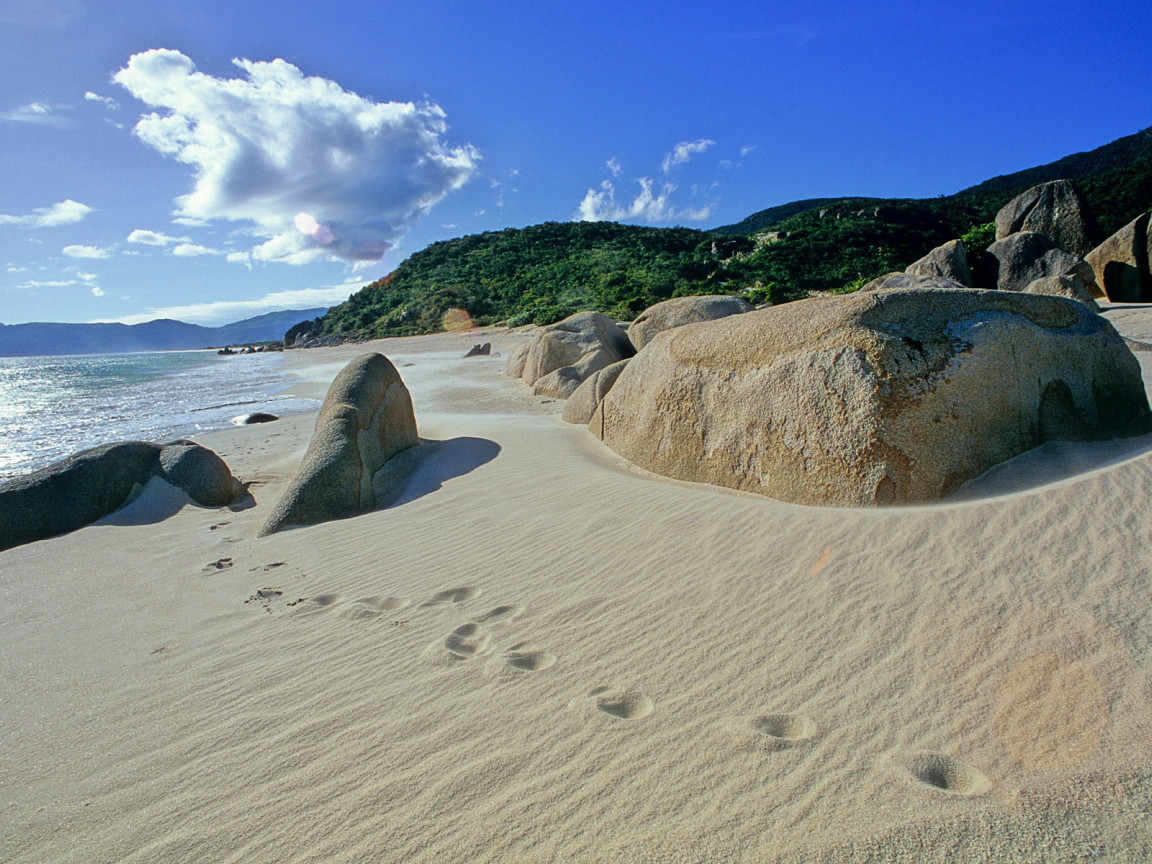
{"type": "Point", "coordinates": [423, 469]}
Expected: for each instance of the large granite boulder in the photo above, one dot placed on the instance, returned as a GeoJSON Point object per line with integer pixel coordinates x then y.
{"type": "Point", "coordinates": [872, 399]}
{"type": "Point", "coordinates": [365, 420]}
{"type": "Point", "coordinates": [89, 485]}
{"type": "Point", "coordinates": [897, 280]}
{"type": "Point", "coordinates": [1121, 263]}
{"type": "Point", "coordinates": [561, 356]}
{"type": "Point", "coordinates": [1014, 263]}
{"type": "Point", "coordinates": [1064, 286]}
{"type": "Point", "coordinates": [683, 310]}
{"type": "Point", "coordinates": [949, 261]}
{"type": "Point", "coordinates": [1057, 210]}
{"type": "Point", "coordinates": [581, 405]}
{"type": "Point", "coordinates": [514, 365]}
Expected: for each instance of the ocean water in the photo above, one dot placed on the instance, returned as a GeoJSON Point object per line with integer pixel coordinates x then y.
{"type": "Point", "coordinates": [53, 406]}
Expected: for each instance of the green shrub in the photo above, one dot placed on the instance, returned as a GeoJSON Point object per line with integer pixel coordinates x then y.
{"type": "Point", "coordinates": [520, 319]}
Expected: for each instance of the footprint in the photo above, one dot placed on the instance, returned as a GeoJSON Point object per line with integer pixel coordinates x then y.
{"type": "Point", "coordinates": [468, 640]}
{"type": "Point", "coordinates": [370, 607]}
{"type": "Point", "coordinates": [786, 727]}
{"type": "Point", "coordinates": [266, 598]}
{"type": "Point", "coordinates": [453, 595]}
{"type": "Point", "coordinates": [319, 602]}
{"type": "Point", "coordinates": [222, 564]}
{"type": "Point", "coordinates": [529, 661]}
{"type": "Point", "coordinates": [948, 774]}
{"type": "Point", "coordinates": [625, 704]}
{"type": "Point", "coordinates": [502, 613]}
{"type": "Point", "coordinates": [218, 525]}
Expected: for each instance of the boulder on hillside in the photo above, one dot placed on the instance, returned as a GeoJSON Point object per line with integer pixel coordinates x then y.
{"type": "Point", "coordinates": [582, 403]}
{"type": "Point", "coordinates": [683, 310]}
{"type": "Point", "coordinates": [561, 356]}
{"type": "Point", "coordinates": [89, 485]}
{"type": "Point", "coordinates": [1014, 263]}
{"type": "Point", "coordinates": [898, 280]}
{"type": "Point", "coordinates": [365, 420]}
{"type": "Point", "coordinates": [1057, 210]}
{"type": "Point", "coordinates": [1064, 286]}
{"type": "Point", "coordinates": [872, 399]}
{"type": "Point", "coordinates": [949, 261]}
{"type": "Point", "coordinates": [1121, 263]}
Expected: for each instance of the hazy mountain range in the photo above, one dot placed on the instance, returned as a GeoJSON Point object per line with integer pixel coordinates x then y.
{"type": "Point", "coordinates": [30, 340]}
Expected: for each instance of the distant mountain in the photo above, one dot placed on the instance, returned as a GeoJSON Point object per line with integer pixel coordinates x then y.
{"type": "Point", "coordinates": [164, 334]}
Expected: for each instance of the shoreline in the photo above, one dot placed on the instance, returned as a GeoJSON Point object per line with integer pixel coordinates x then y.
{"type": "Point", "coordinates": [543, 653]}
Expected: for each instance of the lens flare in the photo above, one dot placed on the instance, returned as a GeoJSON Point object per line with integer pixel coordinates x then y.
{"type": "Point", "coordinates": [457, 321]}
{"type": "Point", "coordinates": [306, 224]}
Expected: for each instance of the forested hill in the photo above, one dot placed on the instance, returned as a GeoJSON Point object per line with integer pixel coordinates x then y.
{"type": "Point", "coordinates": [545, 272]}
{"type": "Point", "coordinates": [1126, 162]}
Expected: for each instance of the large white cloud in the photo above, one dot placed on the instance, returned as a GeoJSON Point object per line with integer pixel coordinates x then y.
{"type": "Point", "coordinates": [64, 213]}
{"type": "Point", "coordinates": [290, 153]}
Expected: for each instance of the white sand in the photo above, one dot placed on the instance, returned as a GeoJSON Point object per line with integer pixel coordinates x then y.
{"type": "Point", "coordinates": [540, 653]}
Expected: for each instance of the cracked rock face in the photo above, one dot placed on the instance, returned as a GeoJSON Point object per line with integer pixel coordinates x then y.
{"type": "Point", "coordinates": [365, 420]}
{"type": "Point", "coordinates": [872, 399]}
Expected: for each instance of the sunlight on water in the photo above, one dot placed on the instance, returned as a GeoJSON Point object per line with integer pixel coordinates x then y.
{"type": "Point", "coordinates": [53, 406]}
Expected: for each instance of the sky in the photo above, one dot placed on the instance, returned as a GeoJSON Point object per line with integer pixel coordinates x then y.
{"type": "Point", "coordinates": [211, 161]}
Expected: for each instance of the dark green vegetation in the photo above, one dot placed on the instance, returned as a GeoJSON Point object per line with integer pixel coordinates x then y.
{"type": "Point", "coordinates": [543, 273]}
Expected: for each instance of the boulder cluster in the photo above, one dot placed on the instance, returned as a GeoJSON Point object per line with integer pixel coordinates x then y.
{"type": "Point", "coordinates": [89, 485]}
{"type": "Point", "coordinates": [899, 393]}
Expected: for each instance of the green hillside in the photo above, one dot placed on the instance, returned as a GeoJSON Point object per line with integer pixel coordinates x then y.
{"type": "Point", "coordinates": [545, 272]}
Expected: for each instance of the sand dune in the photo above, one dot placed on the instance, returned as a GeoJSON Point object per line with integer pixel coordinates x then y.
{"type": "Point", "coordinates": [541, 653]}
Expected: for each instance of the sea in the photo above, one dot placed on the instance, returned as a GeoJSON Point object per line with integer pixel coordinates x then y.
{"type": "Point", "coordinates": [51, 407]}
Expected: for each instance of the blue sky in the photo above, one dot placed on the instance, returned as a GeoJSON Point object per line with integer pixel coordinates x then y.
{"type": "Point", "coordinates": [211, 161]}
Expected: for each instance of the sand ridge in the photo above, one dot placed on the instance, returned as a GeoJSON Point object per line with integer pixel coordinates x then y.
{"type": "Point", "coordinates": [540, 653]}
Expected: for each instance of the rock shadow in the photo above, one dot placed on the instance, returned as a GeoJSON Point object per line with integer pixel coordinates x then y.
{"type": "Point", "coordinates": [423, 469]}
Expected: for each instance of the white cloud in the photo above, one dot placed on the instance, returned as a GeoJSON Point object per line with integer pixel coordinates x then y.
{"type": "Point", "coordinates": [64, 213]}
{"type": "Point", "coordinates": [237, 257]}
{"type": "Point", "coordinates": [155, 238]}
{"type": "Point", "coordinates": [108, 102]}
{"type": "Point", "coordinates": [600, 206]}
{"type": "Point", "coordinates": [193, 250]}
{"type": "Point", "coordinates": [34, 112]}
{"type": "Point", "coordinates": [51, 283]}
{"type": "Point", "coordinates": [684, 151]}
{"type": "Point", "coordinates": [96, 292]}
{"type": "Point", "coordinates": [86, 252]}
{"type": "Point", "coordinates": [275, 145]}
{"type": "Point", "coordinates": [12, 269]}
{"type": "Point", "coordinates": [614, 166]}
{"type": "Point", "coordinates": [746, 149]}
{"type": "Point", "coordinates": [223, 311]}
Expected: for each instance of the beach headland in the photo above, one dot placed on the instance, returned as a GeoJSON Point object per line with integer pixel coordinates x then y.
{"type": "Point", "coordinates": [539, 652]}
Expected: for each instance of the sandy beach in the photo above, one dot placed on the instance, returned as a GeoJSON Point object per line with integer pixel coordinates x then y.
{"type": "Point", "coordinates": [541, 653]}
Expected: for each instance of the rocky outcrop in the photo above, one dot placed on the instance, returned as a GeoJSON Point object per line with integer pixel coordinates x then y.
{"type": "Point", "coordinates": [582, 403]}
{"type": "Point", "coordinates": [1057, 210]}
{"type": "Point", "coordinates": [680, 311]}
{"type": "Point", "coordinates": [949, 261]}
{"type": "Point", "coordinates": [1014, 263]}
{"type": "Point", "coordinates": [893, 281]}
{"type": "Point", "coordinates": [1121, 263]}
{"type": "Point", "coordinates": [1064, 286]}
{"type": "Point", "coordinates": [365, 420]}
{"type": "Point", "coordinates": [93, 483]}
{"type": "Point", "coordinates": [872, 399]}
{"type": "Point", "coordinates": [561, 356]}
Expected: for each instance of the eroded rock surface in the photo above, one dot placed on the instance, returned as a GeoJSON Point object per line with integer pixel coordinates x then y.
{"type": "Point", "coordinates": [870, 399]}
{"type": "Point", "coordinates": [365, 420]}
{"type": "Point", "coordinates": [680, 311]}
